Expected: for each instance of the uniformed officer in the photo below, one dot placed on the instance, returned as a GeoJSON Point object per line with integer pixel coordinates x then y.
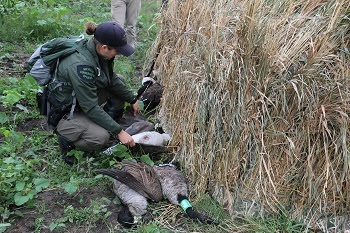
{"type": "Point", "coordinates": [93, 82]}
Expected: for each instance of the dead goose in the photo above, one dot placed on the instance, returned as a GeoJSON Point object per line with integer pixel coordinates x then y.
{"type": "Point", "coordinates": [136, 183]}
{"type": "Point", "coordinates": [151, 93]}
{"type": "Point", "coordinates": [174, 187]}
{"type": "Point", "coordinates": [139, 176]}
{"type": "Point", "coordinates": [139, 127]}
{"type": "Point", "coordinates": [152, 138]}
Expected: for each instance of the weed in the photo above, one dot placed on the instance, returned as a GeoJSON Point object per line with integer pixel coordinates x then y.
{"type": "Point", "coordinates": [38, 224]}
{"type": "Point", "coordinates": [18, 184]}
{"type": "Point", "coordinates": [276, 223]}
{"type": "Point", "coordinates": [41, 208]}
{"type": "Point", "coordinates": [4, 226]}
{"type": "Point", "coordinates": [97, 211]}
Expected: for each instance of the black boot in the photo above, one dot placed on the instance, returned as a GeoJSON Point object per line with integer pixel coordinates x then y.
{"type": "Point", "coordinates": [66, 146]}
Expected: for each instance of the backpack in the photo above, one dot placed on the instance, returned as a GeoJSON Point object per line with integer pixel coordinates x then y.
{"type": "Point", "coordinates": [42, 66]}
{"type": "Point", "coordinates": [43, 62]}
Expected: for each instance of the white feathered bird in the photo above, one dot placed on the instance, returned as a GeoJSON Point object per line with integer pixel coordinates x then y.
{"type": "Point", "coordinates": [152, 138]}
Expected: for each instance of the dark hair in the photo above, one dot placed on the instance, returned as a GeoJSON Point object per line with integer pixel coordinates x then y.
{"type": "Point", "coordinates": [90, 28]}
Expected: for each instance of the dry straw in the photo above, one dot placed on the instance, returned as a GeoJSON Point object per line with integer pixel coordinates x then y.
{"type": "Point", "coordinates": [257, 96]}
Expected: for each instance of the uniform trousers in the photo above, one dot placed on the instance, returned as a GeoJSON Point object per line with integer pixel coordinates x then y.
{"type": "Point", "coordinates": [125, 13]}
{"type": "Point", "coordinates": [85, 134]}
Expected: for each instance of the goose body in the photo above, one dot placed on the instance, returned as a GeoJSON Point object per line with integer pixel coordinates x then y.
{"type": "Point", "coordinates": [136, 202]}
{"type": "Point", "coordinates": [172, 181]}
{"type": "Point", "coordinates": [137, 176]}
{"type": "Point", "coordinates": [136, 183]}
{"type": "Point", "coordinates": [151, 138]}
{"type": "Point", "coordinates": [139, 127]}
{"type": "Point", "coordinates": [152, 93]}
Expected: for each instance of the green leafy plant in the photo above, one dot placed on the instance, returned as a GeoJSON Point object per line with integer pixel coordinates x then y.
{"type": "Point", "coordinates": [13, 140]}
{"type": "Point", "coordinates": [72, 186]}
{"type": "Point", "coordinates": [91, 214]}
{"type": "Point", "coordinates": [4, 226]}
{"type": "Point", "coordinates": [146, 159]}
{"type": "Point", "coordinates": [58, 224]}
{"type": "Point", "coordinates": [3, 118]}
{"type": "Point", "coordinates": [38, 224]}
{"type": "Point", "coordinates": [14, 90]}
{"type": "Point", "coordinates": [18, 184]}
{"type": "Point", "coordinates": [278, 222]}
{"type": "Point", "coordinates": [151, 228]}
{"type": "Point", "coordinates": [38, 21]}
{"type": "Point", "coordinates": [11, 97]}
{"type": "Point", "coordinates": [121, 152]}
{"type": "Point", "coordinates": [7, 6]}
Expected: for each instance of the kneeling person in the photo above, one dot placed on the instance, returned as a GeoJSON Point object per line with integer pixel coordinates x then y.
{"type": "Point", "coordinates": [92, 82]}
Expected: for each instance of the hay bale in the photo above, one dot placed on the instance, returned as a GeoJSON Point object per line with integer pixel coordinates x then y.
{"type": "Point", "coordinates": [257, 95]}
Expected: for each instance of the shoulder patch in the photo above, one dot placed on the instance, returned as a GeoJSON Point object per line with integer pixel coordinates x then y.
{"type": "Point", "coordinates": [86, 73]}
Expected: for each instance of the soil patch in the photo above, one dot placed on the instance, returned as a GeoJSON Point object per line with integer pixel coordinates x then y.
{"type": "Point", "coordinates": [31, 124]}
{"type": "Point", "coordinates": [14, 64]}
{"type": "Point", "coordinates": [51, 205]}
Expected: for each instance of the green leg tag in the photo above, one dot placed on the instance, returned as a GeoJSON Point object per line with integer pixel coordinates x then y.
{"type": "Point", "coordinates": [185, 204]}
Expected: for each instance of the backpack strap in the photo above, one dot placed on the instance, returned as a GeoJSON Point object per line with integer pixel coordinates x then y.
{"type": "Point", "coordinates": [60, 85]}
{"type": "Point", "coordinates": [74, 103]}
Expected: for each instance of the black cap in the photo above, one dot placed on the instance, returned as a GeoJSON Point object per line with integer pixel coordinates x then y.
{"type": "Point", "coordinates": [113, 35]}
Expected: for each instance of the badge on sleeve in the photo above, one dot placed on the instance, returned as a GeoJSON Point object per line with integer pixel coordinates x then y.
{"type": "Point", "coordinates": [86, 73]}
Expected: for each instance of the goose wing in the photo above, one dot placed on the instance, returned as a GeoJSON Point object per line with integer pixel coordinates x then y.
{"type": "Point", "coordinates": [146, 175]}
{"type": "Point", "coordinates": [127, 179]}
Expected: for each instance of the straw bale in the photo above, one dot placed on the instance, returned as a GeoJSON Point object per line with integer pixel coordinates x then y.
{"type": "Point", "coordinates": [257, 96]}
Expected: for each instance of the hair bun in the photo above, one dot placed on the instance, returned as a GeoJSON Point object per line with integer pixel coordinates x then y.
{"type": "Point", "coordinates": [90, 28]}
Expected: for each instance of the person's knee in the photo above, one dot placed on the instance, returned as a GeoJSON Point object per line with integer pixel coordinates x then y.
{"type": "Point", "coordinates": [101, 140]}
{"type": "Point", "coordinates": [104, 138]}
{"type": "Point", "coordinates": [71, 130]}
{"type": "Point", "coordinates": [94, 141]}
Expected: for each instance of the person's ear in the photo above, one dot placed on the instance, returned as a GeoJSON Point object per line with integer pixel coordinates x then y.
{"type": "Point", "coordinates": [104, 47]}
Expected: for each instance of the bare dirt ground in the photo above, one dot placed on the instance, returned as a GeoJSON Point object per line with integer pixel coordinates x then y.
{"type": "Point", "coordinates": [14, 64]}
{"type": "Point", "coordinates": [52, 203]}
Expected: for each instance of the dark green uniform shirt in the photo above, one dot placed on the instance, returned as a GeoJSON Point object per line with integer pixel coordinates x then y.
{"type": "Point", "coordinates": [86, 72]}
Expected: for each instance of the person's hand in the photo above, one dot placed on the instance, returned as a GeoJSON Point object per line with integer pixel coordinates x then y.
{"type": "Point", "coordinates": [126, 139]}
{"type": "Point", "coordinates": [136, 108]}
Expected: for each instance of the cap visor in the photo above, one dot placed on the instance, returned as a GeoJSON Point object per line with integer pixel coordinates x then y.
{"type": "Point", "coordinates": [126, 50]}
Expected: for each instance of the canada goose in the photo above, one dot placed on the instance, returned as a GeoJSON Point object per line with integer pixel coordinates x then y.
{"type": "Point", "coordinates": [136, 183]}
{"type": "Point", "coordinates": [139, 127]}
{"type": "Point", "coordinates": [150, 93]}
{"type": "Point", "coordinates": [128, 118]}
{"type": "Point", "coordinates": [152, 138]}
{"type": "Point", "coordinates": [139, 176]}
{"type": "Point", "coordinates": [174, 187]}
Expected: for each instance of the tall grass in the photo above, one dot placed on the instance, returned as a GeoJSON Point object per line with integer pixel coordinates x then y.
{"type": "Point", "coordinates": [257, 96]}
{"type": "Point", "coordinates": [40, 21]}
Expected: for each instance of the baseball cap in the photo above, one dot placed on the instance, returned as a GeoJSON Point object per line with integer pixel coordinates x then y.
{"type": "Point", "coordinates": [113, 35]}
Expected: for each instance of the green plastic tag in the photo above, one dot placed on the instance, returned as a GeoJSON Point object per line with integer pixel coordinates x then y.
{"type": "Point", "coordinates": [185, 204]}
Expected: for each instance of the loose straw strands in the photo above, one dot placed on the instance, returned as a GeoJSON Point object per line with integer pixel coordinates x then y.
{"type": "Point", "coordinates": [257, 96]}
